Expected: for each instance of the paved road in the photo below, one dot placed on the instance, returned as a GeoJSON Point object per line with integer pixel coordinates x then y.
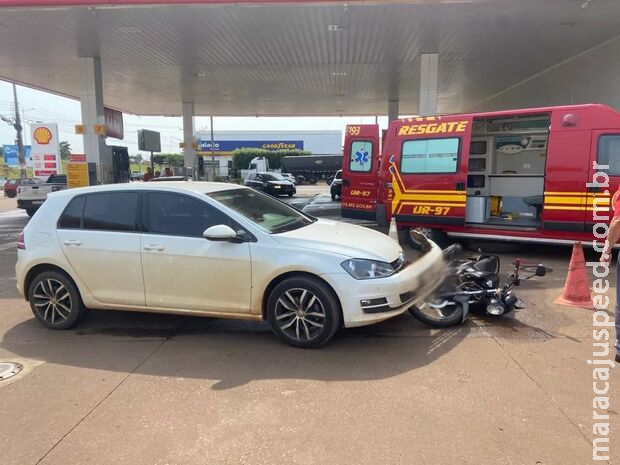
{"type": "Point", "coordinates": [133, 388]}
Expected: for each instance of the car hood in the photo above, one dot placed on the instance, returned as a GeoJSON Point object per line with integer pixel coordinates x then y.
{"type": "Point", "coordinates": [280, 183]}
{"type": "Point", "coordinates": [343, 239]}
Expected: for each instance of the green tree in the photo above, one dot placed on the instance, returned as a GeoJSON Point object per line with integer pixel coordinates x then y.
{"type": "Point", "coordinates": [65, 149]}
{"type": "Point", "coordinates": [242, 157]}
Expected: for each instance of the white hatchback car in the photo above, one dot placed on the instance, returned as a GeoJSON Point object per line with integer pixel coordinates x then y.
{"type": "Point", "coordinates": [213, 249]}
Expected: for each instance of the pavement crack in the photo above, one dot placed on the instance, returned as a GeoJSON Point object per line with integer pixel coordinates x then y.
{"type": "Point", "coordinates": [103, 400]}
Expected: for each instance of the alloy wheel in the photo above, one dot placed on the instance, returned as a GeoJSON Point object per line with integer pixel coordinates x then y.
{"type": "Point", "coordinates": [300, 314]}
{"type": "Point", "coordinates": [52, 301]}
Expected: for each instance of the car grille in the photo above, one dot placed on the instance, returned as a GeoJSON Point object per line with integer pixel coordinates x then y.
{"type": "Point", "coordinates": [406, 296]}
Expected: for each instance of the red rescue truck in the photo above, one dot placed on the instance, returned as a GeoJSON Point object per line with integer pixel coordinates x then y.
{"type": "Point", "coordinates": [518, 175]}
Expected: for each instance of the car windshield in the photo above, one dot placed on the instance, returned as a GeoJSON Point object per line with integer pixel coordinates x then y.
{"type": "Point", "coordinates": [274, 177]}
{"type": "Point", "coordinates": [269, 214]}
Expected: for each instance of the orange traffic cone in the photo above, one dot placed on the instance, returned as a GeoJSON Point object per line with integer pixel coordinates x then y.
{"type": "Point", "coordinates": [576, 291]}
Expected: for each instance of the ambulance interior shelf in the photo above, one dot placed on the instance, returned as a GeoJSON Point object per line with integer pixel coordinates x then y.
{"type": "Point", "coordinates": [505, 181]}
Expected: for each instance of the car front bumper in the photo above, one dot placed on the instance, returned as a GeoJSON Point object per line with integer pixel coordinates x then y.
{"type": "Point", "coordinates": [367, 301]}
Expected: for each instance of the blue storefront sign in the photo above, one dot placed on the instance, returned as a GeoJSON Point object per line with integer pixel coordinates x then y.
{"type": "Point", "coordinates": [10, 155]}
{"type": "Point", "coordinates": [226, 147]}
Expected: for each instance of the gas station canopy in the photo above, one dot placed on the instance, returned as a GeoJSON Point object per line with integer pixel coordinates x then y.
{"type": "Point", "coordinates": [300, 58]}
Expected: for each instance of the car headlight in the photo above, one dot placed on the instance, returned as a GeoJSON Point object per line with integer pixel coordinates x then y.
{"type": "Point", "coordinates": [367, 269]}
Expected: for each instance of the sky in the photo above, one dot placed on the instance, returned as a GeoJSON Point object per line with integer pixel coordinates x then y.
{"type": "Point", "coordinates": [37, 106]}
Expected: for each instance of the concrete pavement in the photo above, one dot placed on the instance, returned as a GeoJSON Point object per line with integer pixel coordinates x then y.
{"type": "Point", "coordinates": [131, 388]}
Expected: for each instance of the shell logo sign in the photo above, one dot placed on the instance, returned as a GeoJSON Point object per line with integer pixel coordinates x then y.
{"type": "Point", "coordinates": [45, 150]}
{"type": "Point", "coordinates": [42, 135]}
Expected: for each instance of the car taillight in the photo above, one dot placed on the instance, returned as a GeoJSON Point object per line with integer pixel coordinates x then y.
{"type": "Point", "coordinates": [21, 243]}
{"type": "Point", "coordinates": [57, 188]}
{"type": "Point", "coordinates": [19, 189]}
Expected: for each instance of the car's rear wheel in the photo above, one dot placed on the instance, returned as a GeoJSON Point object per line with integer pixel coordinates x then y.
{"type": "Point", "coordinates": [55, 300]}
{"type": "Point", "coordinates": [10, 194]}
{"type": "Point", "coordinates": [31, 211]}
{"type": "Point", "coordinates": [303, 312]}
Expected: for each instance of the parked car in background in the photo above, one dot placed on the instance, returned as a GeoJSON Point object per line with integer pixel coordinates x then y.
{"type": "Point", "coordinates": [31, 196]}
{"type": "Point", "coordinates": [271, 183]}
{"type": "Point", "coordinates": [11, 185]}
{"type": "Point", "coordinates": [216, 250]}
{"type": "Point", "coordinates": [335, 188]}
{"type": "Point", "coordinates": [136, 175]}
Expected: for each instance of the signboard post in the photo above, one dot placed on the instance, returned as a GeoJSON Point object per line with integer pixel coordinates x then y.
{"type": "Point", "coordinates": [45, 149]}
{"type": "Point", "coordinates": [77, 171]}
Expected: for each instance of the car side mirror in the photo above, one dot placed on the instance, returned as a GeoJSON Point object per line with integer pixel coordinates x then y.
{"type": "Point", "coordinates": [220, 232]}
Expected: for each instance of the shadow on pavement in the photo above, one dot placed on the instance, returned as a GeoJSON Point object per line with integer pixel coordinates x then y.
{"type": "Point", "coordinates": [232, 353]}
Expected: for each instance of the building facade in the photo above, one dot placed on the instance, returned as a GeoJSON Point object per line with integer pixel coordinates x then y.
{"type": "Point", "coordinates": [225, 142]}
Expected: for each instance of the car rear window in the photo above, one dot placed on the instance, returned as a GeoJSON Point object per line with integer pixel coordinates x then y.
{"type": "Point", "coordinates": [111, 211]}
{"type": "Point", "coordinates": [71, 218]}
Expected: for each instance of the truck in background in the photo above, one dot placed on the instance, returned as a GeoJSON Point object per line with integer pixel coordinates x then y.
{"type": "Point", "coordinates": [30, 197]}
{"type": "Point", "coordinates": [311, 168]}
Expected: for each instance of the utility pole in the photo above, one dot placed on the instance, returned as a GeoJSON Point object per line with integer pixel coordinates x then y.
{"type": "Point", "coordinates": [20, 141]}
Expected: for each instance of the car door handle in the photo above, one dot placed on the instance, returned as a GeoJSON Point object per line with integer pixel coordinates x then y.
{"type": "Point", "coordinates": [154, 247]}
{"type": "Point", "coordinates": [72, 242]}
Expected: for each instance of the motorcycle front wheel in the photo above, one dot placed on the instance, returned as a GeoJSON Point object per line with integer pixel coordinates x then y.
{"type": "Point", "coordinates": [438, 314]}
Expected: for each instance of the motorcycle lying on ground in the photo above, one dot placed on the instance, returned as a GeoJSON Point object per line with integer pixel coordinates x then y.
{"type": "Point", "coordinates": [474, 283]}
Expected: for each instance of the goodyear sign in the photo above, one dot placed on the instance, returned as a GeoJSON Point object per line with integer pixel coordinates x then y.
{"type": "Point", "coordinates": [226, 147]}
{"type": "Point", "coordinates": [433, 128]}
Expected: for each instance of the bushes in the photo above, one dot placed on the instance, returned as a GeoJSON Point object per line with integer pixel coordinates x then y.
{"type": "Point", "coordinates": [169, 159]}
{"type": "Point", "coordinates": [242, 157]}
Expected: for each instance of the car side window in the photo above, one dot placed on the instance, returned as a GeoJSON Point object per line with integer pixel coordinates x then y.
{"type": "Point", "coordinates": [71, 217]}
{"type": "Point", "coordinates": [180, 215]}
{"type": "Point", "coordinates": [609, 153]}
{"type": "Point", "coordinates": [111, 211]}
{"type": "Point", "coordinates": [361, 156]}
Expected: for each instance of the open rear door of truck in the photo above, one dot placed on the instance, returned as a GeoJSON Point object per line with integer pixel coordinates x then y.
{"type": "Point", "coordinates": [427, 159]}
{"type": "Point", "coordinates": [360, 168]}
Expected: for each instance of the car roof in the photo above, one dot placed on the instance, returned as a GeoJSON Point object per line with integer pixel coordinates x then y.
{"type": "Point", "coordinates": [200, 187]}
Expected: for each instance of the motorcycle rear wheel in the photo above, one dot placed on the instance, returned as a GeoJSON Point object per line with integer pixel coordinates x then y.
{"type": "Point", "coordinates": [449, 315]}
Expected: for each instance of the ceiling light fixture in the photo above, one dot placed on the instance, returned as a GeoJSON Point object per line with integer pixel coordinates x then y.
{"type": "Point", "coordinates": [336, 27]}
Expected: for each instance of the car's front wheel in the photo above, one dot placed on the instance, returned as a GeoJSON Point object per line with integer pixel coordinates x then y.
{"type": "Point", "coordinates": [55, 300]}
{"type": "Point", "coordinates": [303, 312]}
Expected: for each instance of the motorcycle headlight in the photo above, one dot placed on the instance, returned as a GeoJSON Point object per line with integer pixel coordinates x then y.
{"type": "Point", "coordinates": [367, 269]}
